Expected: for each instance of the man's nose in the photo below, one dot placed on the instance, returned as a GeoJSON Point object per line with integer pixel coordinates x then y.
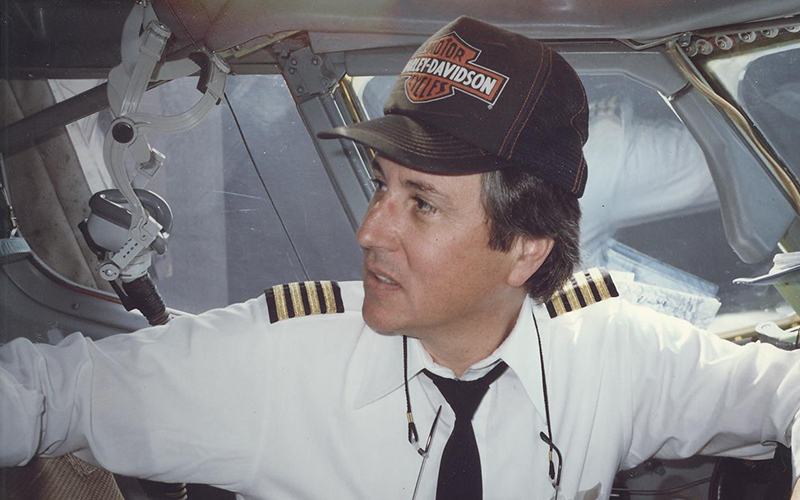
{"type": "Point", "coordinates": [377, 230]}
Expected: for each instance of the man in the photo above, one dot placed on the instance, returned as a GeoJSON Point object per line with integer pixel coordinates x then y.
{"type": "Point", "coordinates": [319, 390]}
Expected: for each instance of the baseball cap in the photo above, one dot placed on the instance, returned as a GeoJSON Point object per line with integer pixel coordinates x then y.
{"type": "Point", "coordinates": [476, 98]}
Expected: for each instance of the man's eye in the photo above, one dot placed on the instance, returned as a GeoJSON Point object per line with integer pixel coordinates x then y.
{"type": "Point", "coordinates": [423, 206]}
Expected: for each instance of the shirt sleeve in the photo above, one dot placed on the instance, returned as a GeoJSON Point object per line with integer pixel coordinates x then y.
{"type": "Point", "coordinates": [151, 404]}
{"type": "Point", "coordinates": [694, 393]}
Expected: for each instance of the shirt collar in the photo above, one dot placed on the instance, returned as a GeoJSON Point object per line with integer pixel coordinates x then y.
{"type": "Point", "coordinates": [382, 358]}
{"type": "Point", "coordinates": [520, 350]}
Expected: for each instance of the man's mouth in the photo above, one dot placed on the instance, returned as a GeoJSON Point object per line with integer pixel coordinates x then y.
{"type": "Point", "coordinates": [384, 279]}
{"type": "Point", "coordinates": [381, 277]}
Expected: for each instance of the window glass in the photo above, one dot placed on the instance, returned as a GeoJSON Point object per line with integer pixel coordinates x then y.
{"type": "Point", "coordinates": [650, 210]}
{"type": "Point", "coordinates": [229, 240]}
{"type": "Point", "coordinates": [766, 85]}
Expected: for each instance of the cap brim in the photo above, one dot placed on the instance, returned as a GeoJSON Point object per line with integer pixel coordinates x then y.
{"type": "Point", "coordinates": [418, 146]}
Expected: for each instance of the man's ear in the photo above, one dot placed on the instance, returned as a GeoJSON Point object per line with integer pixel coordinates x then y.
{"type": "Point", "coordinates": [530, 255]}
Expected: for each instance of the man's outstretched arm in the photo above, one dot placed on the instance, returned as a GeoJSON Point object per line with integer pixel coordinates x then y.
{"type": "Point", "coordinates": [153, 404]}
{"type": "Point", "coordinates": [697, 394]}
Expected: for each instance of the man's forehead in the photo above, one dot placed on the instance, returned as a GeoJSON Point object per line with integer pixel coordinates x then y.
{"type": "Point", "coordinates": [450, 192]}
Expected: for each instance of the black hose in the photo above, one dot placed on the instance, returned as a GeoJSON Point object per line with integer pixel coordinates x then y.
{"type": "Point", "coordinates": [144, 296]}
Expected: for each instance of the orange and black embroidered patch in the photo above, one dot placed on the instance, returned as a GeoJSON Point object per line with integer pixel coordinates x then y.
{"type": "Point", "coordinates": [294, 300]}
{"type": "Point", "coordinates": [582, 290]}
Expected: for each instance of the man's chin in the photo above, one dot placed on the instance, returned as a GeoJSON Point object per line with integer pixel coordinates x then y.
{"type": "Point", "coordinates": [375, 323]}
{"type": "Point", "coordinates": [378, 321]}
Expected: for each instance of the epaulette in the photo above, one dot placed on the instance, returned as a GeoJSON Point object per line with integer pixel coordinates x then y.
{"type": "Point", "coordinates": [581, 290]}
{"type": "Point", "coordinates": [294, 300]}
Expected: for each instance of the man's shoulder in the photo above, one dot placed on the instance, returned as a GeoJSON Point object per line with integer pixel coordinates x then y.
{"type": "Point", "coordinates": [313, 327]}
{"type": "Point", "coordinates": [591, 291]}
{"type": "Point", "coordinates": [301, 306]}
{"type": "Point", "coordinates": [591, 306]}
{"type": "Point", "coordinates": [312, 312]}
{"type": "Point", "coordinates": [291, 322]}
{"type": "Point", "coordinates": [321, 300]}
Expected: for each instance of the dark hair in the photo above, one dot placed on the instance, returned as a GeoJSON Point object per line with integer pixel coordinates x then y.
{"type": "Point", "coordinates": [520, 204]}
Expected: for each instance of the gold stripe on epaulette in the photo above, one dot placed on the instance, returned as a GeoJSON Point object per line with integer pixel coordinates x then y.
{"type": "Point", "coordinates": [330, 300]}
{"type": "Point", "coordinates": [558, 306]}
{"type": "Point", "coordinates": [280, 302]}
{"type": "Point", "coordinates": [296, 300]}
{"type": "Point", "coordinates": [313, 300]}
{"type": "Point", "coordinates": [582, 290]}
{"type": "Point", "coordinates": [569, 293]}
{"type": "Point", "coordinates": [585, 289]}
{"type": "Point", "coordinates": [599, 281]}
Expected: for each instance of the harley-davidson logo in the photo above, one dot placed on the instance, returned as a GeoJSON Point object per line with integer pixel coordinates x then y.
{"type": "Point", "coordinates": [446, 64]}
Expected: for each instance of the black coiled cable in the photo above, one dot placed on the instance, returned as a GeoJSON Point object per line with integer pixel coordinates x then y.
{"type": "Point", "coordinates": [144, 296]}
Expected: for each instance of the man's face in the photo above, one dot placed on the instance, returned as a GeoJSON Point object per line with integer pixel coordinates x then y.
{"type": "Point", "coordinates": [427, 264]}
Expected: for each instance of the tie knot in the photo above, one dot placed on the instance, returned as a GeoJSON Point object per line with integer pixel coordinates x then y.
{"type": "Point", "coordinates": [464, 396]}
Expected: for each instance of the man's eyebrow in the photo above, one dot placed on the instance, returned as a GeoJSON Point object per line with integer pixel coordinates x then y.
{"type": "Point", "coordinates": [422, 186]}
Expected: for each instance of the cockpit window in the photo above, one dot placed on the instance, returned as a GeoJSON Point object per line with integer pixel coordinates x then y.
{"type": "Point", "coordinates": [766, 84]}
{"type": "Point", "coordinates": [650, 211]}
{"type": "Point", "coordinates": [252, 204]}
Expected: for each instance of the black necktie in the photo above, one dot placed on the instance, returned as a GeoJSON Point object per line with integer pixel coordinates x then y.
{"type": "Point", "coordinates": [460, 471]}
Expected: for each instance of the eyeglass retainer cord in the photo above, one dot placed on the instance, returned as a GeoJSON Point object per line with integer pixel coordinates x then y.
{"type": "Point", "coordinates": [413, 436]}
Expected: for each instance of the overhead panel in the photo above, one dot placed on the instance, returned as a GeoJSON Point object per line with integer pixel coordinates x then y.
{"type": "Point", "coordinates": [222, 24]}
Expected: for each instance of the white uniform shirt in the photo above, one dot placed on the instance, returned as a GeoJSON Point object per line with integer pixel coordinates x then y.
{"type": "Point", "coordinates": [314, 407]}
